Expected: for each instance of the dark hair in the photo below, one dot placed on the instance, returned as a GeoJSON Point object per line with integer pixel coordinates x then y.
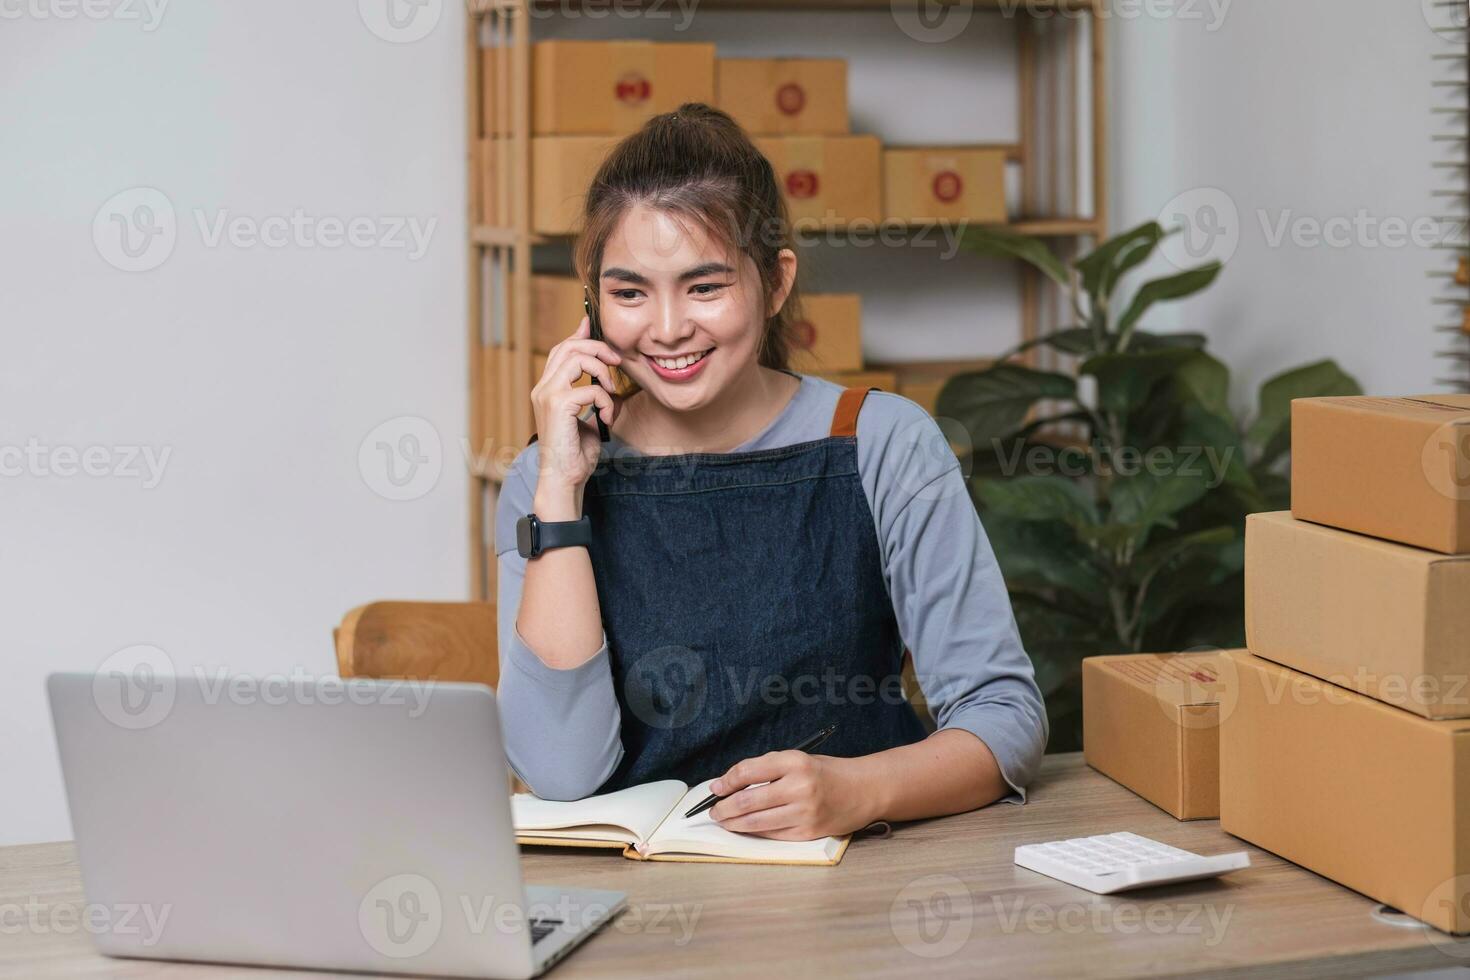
{"type": "Point", "coordinates": [696, 162]}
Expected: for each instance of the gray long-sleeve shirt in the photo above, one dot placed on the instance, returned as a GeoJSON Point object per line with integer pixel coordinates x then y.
{"type": "Point", "coordinates": [562, 726]}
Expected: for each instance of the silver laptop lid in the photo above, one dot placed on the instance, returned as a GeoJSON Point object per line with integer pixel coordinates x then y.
{"type": "Point", "coordinates": [350, 825]}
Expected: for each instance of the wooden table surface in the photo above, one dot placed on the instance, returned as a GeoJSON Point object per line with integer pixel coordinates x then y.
{"type": "Point", "coordinates": [941, 897]}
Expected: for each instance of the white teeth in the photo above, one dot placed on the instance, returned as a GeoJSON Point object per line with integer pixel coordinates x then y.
{"type": "Point", "coordinates": [678, 363]}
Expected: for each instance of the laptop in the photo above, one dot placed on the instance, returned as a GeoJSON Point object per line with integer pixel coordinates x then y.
{"type": "Point", "coordinates": [305, 822]}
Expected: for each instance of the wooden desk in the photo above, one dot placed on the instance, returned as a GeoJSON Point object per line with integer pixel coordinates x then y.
{"type": "Point", "coordinates": [941, 897]}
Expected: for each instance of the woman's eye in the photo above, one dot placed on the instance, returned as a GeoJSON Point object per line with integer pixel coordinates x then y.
{"type": "Point", "coordinates": [707, 288]}
{"type": "Point", "coordinates": [625, 294]}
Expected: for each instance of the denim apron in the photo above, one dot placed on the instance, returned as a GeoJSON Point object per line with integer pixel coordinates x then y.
{"type": "Point", "coordinates": [745, 607]}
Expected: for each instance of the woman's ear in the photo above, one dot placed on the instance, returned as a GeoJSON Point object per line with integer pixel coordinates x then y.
{"type": "Point", "coordinates": [786, 261]}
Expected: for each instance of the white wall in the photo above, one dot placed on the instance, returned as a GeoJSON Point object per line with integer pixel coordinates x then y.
{"type": "Point", "coordinates": [262, 370]}
{"type": "Point", "coordinates": [1310, 109]}
{"type": "Point", "coordinates": [259, 369]}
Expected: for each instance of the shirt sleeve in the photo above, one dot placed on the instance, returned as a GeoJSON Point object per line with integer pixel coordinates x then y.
{"type": "Point", "coordinates": [561, 727]}
{"type": "Point", "coordinates": [948, 595]}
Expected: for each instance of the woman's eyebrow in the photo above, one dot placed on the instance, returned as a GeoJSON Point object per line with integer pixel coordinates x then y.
{"type": "Point", "coordinates": [697, 272]}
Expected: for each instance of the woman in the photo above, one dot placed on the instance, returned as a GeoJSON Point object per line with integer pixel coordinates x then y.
{"type": "Point", "coordinates": [762, 544]}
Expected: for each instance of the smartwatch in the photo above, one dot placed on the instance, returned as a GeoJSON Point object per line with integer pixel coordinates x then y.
{"type": "Point", "coordinates": [533, 535]}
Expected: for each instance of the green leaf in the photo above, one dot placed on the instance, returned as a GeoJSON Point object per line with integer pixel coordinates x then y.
{"type": "Point", "coordinates": [1153, 498]}
{"type": "Point", "coordinates": [1159, 290]}
{"type": "Point", "coordinates": [1198, 579]}
{"type": "Point", "coordinates": [1102, 269]}
{"type": "Point", "coordinates": [1270, 434]}
{"type": "Point", "coordinates": [1143, 340]}
{"type": "Point", "coordinates": [992, 404]}
{"type": "Point", "coordinates": [1156, 557]}
{"type": "Point", "coordinates": [999, 243]}
{"type": "Point", "coordinates": [1039, 498]}
{"type": "Point", "coordinates": [1207, 382]}
{"type": "Point", "coordinates": [1216, 449]}
{"type": "Point", "coordinates": [1124, 380]}
{"type": "Point", "coordinates": [1045, 555]}
{"type": "Point", "coordinates": [1147, 499]}
{"type": "Point", "coordinates": [1073, 340]}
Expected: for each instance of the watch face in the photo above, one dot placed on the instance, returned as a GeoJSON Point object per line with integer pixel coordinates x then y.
{"type": "Point", "coordinates": [526, 536]}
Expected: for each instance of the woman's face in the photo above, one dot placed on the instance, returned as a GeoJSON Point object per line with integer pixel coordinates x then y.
{"type": "Point", "coordinates": [686, 317]}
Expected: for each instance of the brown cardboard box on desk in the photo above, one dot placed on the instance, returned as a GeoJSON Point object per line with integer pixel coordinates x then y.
{"type": "Point", "coordinates": [1150, 722]}
{"type": "Point", "coordinates": [944, 183]}
{"type": "Point", "coordinates": [827, 179]}
{"type": "Point", "coordinates": [1384, 619]}
{"type": "Point", "coordinates": [1395, 468]}
{"type": "Point", "coordinates": [1361, 792]}
{"type": "Point", "coordinates": [784, 95]}
{"type": "Point", "coordinates": [593, 87]}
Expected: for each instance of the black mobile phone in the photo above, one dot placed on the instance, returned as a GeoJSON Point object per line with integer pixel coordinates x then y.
{"type": "Point", "coordinates": [596, 330]}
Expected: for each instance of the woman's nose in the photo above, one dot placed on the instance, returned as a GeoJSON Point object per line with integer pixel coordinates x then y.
{"type": "Point", "coordinates": [671, 324]}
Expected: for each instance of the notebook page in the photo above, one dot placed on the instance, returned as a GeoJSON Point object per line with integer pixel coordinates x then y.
{"type": "Point", "coordinates": [700, 834]}
{"type": "Point", "coordinates": [638, 810]}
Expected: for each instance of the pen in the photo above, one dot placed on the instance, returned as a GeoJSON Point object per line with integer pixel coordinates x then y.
{"type": "Point", "coordinates": [805, 746]}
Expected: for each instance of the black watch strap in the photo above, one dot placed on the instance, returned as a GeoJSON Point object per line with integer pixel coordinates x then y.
{"type": "Point", "coordinates": [534, 536]}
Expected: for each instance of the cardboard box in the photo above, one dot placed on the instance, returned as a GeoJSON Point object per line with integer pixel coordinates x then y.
{"type": "Point", "coordinates": [1380, 618]}
{"type": "Point", "coordinates": [1361, 792]}
{"type": "Point", "coordinates": [827, 179]}
{"type": "Point", "coordinates": [1396, 468]}
{"type": "Point", "coordinates": [1150, 721]}
{"type": "Point", "coordinates": [556, 309]}
{"type": "Point", "coordinates": [829, 334]}
{"type": "Point", "coordinates": [784, 95]}
{"type": "Point", "coordinates": [601, 87]}
{"type": "Point", "coordinates": [562, 168]}
{"type": "Point", "coordinates": [944, 184]}
{"type": "Point", "coordinates": [882, 380]}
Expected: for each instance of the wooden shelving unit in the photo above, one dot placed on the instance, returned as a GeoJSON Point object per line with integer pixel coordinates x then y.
{"type": "Point", "coordinates": [1054, 38]}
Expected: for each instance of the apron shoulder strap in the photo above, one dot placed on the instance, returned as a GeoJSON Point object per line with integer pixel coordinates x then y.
{"type": "Point", "coordinates": [849, 403]}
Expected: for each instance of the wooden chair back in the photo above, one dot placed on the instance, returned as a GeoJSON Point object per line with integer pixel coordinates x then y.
{"type": "Point", "coordinates": [444, 641]}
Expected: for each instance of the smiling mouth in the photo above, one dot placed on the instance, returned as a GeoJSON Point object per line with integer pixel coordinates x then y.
{"type": "Point", "coordinates": [681, 362]}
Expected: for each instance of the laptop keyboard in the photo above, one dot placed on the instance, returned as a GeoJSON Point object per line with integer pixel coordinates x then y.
{"type": "Point", "coordinates": [541, 928]}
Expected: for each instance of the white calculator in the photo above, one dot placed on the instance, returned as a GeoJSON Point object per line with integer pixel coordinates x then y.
{"type": "Point", "coordinates": [1117, 862]}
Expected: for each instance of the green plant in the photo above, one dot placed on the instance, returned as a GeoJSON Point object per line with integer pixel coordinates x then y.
{"type": "Point", "coordinates": [1115, 493]}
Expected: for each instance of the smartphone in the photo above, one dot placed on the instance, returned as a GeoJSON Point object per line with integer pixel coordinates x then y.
{"type": "Point", "coordinates": [596, 329]}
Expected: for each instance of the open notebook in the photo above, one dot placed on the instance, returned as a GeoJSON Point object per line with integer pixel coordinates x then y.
{"type": "Point", "coordinates": [647, 822]}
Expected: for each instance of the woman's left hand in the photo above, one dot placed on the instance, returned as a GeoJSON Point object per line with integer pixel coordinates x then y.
{"type": "Point", "coordinates": [804, 797]}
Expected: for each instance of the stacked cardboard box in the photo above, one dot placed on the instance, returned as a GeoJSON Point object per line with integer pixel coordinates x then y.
{"type": "Point", "coordinates": [585, 96]}
{"type": "Point", "coordinates": [944, 183]}
{"type": "Point", "coordinates": [1151, 722]}
{"type": "Point", "coordinates": [1347, 746]}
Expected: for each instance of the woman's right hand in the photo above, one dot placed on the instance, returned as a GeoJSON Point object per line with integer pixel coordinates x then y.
{"type": "Point", "coordinates": [570, 448]}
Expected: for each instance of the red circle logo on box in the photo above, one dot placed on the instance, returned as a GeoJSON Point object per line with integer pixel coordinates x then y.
{"type": "Point", "coordinates": [805, 332]}
{"type": "Point", "coordinates": [632, 88]}
{"type": "Point", "coordinates": [802, 183]}
{"type": "Point", "coordinates": [948, 185]}
{"type": "Point", "coordinates": [791, 98]}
